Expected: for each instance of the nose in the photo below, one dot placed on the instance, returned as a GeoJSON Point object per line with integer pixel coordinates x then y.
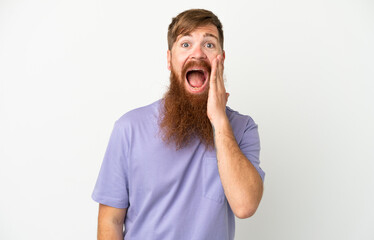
{"type": "Point", "coordinates": [198, 53]}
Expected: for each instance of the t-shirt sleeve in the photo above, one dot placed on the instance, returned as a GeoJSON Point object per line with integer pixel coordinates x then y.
{"type": "Point", "coordinates": [112, 183]}
{"type": "Point", "coordinates": [250, 145]}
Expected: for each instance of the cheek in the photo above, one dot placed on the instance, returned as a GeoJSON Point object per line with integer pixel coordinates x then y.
{"type": "Point", "coordinates": [175, 62]}
{"type": "Point", "coordinates": [213, 56]}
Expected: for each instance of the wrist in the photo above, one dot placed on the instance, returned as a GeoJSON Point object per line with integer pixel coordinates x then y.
{"type": "Point", "coordinates": [221, 125]}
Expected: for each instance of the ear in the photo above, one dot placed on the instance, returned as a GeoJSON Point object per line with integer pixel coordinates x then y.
{"type": "Point", "coordinates": [169, 59]}
{"type": "Point", "coordinates": [223, 55]}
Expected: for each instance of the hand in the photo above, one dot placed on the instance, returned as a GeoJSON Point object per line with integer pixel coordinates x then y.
{"type": "Point", "coordinates": [217, 97]}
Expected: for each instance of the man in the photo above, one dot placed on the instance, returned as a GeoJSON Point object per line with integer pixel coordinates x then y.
{"type": "Point", "coordinates": [182, 167]}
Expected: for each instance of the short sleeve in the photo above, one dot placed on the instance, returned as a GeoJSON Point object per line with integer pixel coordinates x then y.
{"type": "Point", "coordinates": [250, 145]}
{"type": "Point", "coordinates": [112, 183]}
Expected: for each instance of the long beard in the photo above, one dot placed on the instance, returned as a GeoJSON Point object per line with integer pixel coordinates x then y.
{"type": "Point", "coordinates": [184, 116]}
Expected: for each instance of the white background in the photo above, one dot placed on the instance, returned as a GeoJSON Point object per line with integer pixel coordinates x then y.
{"type": "Point", "coordinates": [304, 70]}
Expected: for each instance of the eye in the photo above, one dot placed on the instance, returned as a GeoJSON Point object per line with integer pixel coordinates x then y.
{"type": "Point", "coordinates": [185, 45]}
{"type": "Point", "coordinates": [210, 45]}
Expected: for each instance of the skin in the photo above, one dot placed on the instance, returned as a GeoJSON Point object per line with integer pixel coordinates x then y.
{"type": "Point", "coordinates": [199, 45]}
{"type": "Point", "coordinates": [110, 222]}
{"type": "Point", "coordinates": [240, 180]}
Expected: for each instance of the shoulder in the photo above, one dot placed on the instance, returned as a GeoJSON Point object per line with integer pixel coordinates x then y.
{"type": "Point", "coordinates": [140, 115]}
{"type": "Point", "coordinates": [137, 121]}
{"type": "Point", "coordinates": [238, 119]}
{"type": "Point", "coordinates": [240, 123]}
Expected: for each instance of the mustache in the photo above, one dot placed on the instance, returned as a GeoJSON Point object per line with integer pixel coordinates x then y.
{"type": "Point", "coordinates": [196, 64]}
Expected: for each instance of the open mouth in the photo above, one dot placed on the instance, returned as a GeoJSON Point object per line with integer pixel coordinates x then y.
{"type": "Point", "coordinates": [197, 79]}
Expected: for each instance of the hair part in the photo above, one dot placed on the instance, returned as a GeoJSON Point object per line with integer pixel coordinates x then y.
{"type": "Point", "coordinates": [191, 19]}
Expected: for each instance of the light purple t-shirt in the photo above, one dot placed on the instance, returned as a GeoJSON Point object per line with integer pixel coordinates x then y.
{"type": "Point", "coordinates": [169, 194]}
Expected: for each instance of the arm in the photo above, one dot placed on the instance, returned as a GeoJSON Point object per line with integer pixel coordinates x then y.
{"type": "Point", "coordinates": [240, 180]}
{"type": "Point", "coordinates": [110, 223]}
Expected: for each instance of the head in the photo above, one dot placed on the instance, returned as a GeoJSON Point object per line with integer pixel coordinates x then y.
{"type": "Point", "coordinates": [195, 38]}
{"type": "Point", "coordinates": [189, 20]}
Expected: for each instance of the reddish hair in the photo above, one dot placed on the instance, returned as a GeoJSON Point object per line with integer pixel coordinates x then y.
{"type": "Point", "coordinates": [188, 20]}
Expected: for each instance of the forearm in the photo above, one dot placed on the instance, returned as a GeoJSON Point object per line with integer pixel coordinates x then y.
{"type": "Point", "coordinates": [240, 180]}
{"type": "Point", "coordinates": [109, 231]}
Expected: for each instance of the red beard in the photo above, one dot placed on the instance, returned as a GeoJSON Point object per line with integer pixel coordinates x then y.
{"type": "Point", "coordinates": [184, 115]}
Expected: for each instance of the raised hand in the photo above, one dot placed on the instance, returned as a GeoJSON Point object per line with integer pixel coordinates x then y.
{"type": "Point", "coordinates": [217, 98]}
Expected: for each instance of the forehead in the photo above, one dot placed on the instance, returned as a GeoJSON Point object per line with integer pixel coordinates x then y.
{"type": "Point", "coordinates": [206, 30]}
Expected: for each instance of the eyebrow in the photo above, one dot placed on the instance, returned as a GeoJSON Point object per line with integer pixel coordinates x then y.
{"type": "Point", "coordinates": [211, 35]}
{"type": "Point", "coordinates": [205, 35]}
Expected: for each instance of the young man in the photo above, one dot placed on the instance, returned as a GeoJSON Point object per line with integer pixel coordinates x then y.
{"type": "Point", "coordinates": [182, 167]}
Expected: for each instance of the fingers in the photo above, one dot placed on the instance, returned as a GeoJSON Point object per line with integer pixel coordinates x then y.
{"type": "Point", "coordinates": [213, 75]}
{"type": "Point", "coordinates": [220, 83]}
{"type": "Point", "coordinates": [216, 78]}
{"type": "Point", "coordinates": [217, 98]}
